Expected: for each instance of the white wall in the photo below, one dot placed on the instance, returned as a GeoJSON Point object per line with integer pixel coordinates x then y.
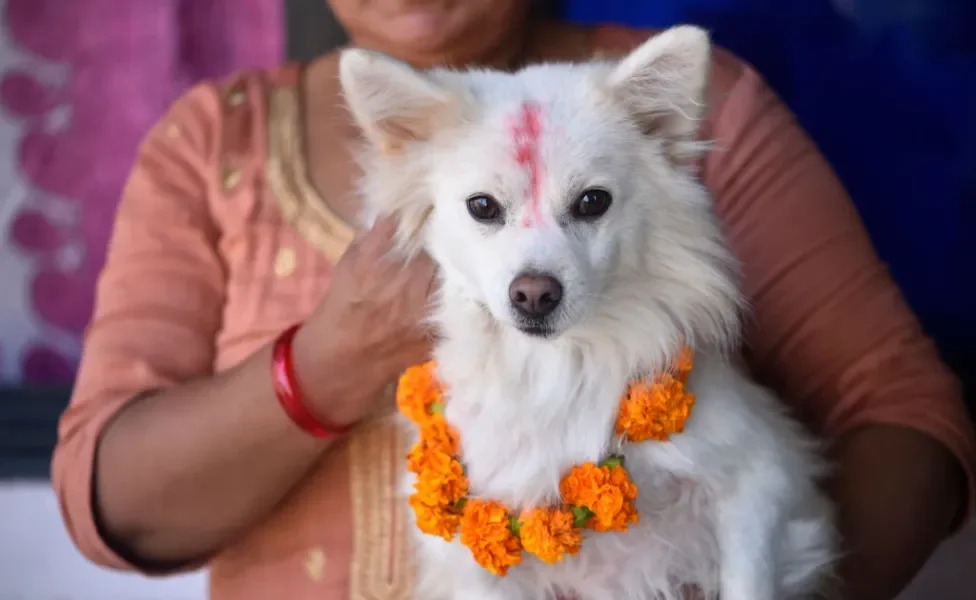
{"type": "Point", "coordinates": [38, 561]}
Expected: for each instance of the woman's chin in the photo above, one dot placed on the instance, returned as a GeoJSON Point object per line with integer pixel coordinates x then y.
{"type": "Point", "coordinates": [423, 30]}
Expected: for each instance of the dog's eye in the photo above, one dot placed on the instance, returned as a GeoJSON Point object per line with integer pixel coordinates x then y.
{"type": "Point", "coordinates": [484, 208]}
{"type": "Point", "coordinates": [592, 204]}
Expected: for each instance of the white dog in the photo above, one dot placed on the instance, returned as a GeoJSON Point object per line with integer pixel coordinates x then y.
{"type": "Point", "coordinates": [578, 250]}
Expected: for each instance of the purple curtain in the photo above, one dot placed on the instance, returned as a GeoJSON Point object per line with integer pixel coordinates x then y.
{"type": "Point", "coordinates": [80, 84]}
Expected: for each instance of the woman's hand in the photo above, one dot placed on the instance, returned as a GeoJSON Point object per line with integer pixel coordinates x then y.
{"type": "Point", "coordinates": [368, 329]}
{"type": "Point", "coordinates": [899, 492]}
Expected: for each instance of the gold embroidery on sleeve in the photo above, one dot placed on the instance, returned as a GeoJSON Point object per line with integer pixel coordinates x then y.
{"type": "Point", "coordinates": [315, 564]}
{"type": "Point", "coordinates": [232, 177]}
{"type": "Point", "coordinates": [286, 261]}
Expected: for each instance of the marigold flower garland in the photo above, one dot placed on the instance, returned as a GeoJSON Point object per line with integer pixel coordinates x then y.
{"type": "Point", "coordinates": [600, 497]}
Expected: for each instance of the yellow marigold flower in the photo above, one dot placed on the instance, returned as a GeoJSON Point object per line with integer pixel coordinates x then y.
{"type": "Point", "coordinates": [418, 391]}
{"type": "Point", "coordinates": [441, 480]}
{"type": "Point", "coordinates": [442, 521]}
{"type": "Point", "coordinates": [487, 531]}
{"type": "Point", "coordinates": [654, 410]}
{"type": "Point", "coordinates": [548, 533]}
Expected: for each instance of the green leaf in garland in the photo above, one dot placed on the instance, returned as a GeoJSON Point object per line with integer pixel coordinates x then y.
{"type": "Point", "coordinates": [437, 408]}
{"type": "Point", "coordinates": [581, 516]}
{"type": "Point", "coordinates": [613, 462]}
{"type": "Point", "coordinates": [460, 504]}
{"type": "Point", "coordinates": [515, 525]}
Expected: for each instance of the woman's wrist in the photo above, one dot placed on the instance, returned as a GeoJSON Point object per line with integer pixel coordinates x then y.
{"type": "Point", "coordinates": [329, 372]}
{"type": "Point", "coordinates": [291, 395]}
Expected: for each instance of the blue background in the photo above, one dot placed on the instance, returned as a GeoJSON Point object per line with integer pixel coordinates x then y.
{"type": "Point", "coordinates": [887, 89]}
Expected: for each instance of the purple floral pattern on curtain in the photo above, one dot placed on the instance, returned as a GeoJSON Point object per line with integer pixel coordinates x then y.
{"type": "Point", "coordinates": [81, 83]}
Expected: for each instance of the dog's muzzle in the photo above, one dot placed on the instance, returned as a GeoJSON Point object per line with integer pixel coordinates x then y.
{"type": "Point", "coordinates": [534, 297]}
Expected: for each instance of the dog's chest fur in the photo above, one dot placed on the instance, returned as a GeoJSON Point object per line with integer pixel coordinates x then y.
{"type": "Point", "coordinates": [527, 413]}
{"type": "Point", "coordinates": [511, 408]}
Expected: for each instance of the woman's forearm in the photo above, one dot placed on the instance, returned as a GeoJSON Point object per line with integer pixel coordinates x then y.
{"type": "Point", "coordinates": [180, 472]}
{"type": "Point", "coordinates": [899, 493]}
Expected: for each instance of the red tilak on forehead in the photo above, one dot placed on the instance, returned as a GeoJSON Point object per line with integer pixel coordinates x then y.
{"type": "Point", "coordinates": [526, 129]}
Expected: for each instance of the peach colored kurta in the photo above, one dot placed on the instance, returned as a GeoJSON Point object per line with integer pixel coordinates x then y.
{"type": "Point", "coordinates": [221, 242]}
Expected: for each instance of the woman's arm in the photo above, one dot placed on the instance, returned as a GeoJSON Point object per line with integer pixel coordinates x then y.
{"type": "Point", "coordinates": [159, 461]}
{"type": "Point", "coordinates": [831, 332]}
{"type": "Point", "coordinates": [158, 469]}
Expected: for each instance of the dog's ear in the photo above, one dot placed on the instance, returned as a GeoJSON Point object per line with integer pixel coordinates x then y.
{"type": "Point", "coordinates": [664, 82]}
{"type": "Point", "coordinates": [391, 102]}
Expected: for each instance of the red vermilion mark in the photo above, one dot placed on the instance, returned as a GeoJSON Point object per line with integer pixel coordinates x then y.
{"type": "Point", "coordinates": [525, 130]}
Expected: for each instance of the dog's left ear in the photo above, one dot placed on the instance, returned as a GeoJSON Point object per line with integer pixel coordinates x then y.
{"type": "Point", "coordinates": [664, 82]}
{"type": "Point", "coordinates": [393, 103]}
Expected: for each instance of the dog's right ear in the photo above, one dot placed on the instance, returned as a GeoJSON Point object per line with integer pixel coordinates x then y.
{"type": "Point", "coordinates": [393, 103]}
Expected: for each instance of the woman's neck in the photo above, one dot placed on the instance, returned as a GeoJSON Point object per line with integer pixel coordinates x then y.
{"type": "Point", "coordinates": [476, 49]}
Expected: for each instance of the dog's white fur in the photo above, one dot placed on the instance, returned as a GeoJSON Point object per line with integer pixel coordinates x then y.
{"type": "Point", "coordinates": [731, 505]}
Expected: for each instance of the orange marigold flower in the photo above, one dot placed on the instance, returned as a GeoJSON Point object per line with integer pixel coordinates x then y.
{"type": "Point", "coordinates": [442, 521]}
{"type": "Point", "coordinates": [436, 436]}
{"type": "Point", "coordinates": [581, 486]}
{"type": "Point", "coordinates": [486, 530]}
{"type": "Point", "coordinates": [417, 391]}
{"type": "Point", "coordinates": [607, 492]}
{"type": "Point", "coordinates": [416, 458]}
{"type": "Point", "coordinates": [615, 509]}
{"type": "Point", "coordinates": [620, 478]}
{"type": "Point", "coordinates": [608, 505]}
{"type": "Point", "coordinates": [548, 533]}
{"type": "Point", "coordinates": [441, 480]}
{"type": "Point", "coordinates": [654, 410]}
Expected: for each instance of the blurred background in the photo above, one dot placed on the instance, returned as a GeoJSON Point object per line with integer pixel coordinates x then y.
{"type": "Point", "coordinates": [887, 88]}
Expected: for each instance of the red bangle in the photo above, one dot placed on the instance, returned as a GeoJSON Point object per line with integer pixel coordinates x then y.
{"type": "Point", "coordinates": [290, 397]}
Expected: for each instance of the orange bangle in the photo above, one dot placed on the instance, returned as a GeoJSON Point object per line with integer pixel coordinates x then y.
{"type": "Point", "coordinates": [290, 397]}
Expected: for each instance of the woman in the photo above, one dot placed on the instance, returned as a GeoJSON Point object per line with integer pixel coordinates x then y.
{"type": "Point", "coordinates": [178, 449]}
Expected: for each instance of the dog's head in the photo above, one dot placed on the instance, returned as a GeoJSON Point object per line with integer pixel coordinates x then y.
{"type": "Point", "coordinates": [558, 198]}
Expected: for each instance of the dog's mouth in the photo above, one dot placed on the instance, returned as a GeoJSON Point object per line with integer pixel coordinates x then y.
{"type": "Point", "coordinates": [536, 329]}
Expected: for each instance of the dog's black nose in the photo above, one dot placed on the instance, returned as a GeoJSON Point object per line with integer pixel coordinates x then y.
{"type": "Point", "coordinates": [535, 295]}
